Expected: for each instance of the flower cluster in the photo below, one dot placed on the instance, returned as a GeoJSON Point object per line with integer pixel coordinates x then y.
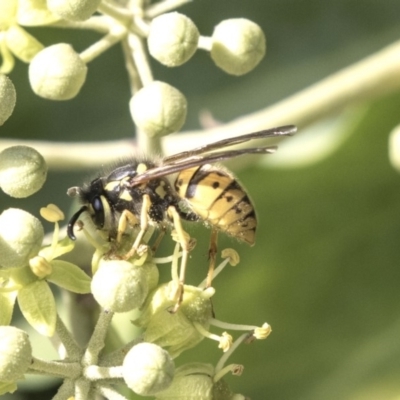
{"type": "Point", "coordinates": [58, 72]}
{"type": "Point", "coordinates": [171, 316]}
{"type": "Point", "coordinates": [146, 363]}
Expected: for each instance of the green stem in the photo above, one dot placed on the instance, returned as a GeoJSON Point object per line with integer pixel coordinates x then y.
{"type": "Point", "coordinates": [96, 342]}
{"type": "Point", "coordinates": [94, 372]}
{"type": "Point", "coordinates": [226, 355]}
{"type": "Point", "coordinates": [65, 391]}
{"type": "Point", "coordinates": [115, 35]}
{"type": "Point", "coordinates": [82, 389]}
{"type": "Point", "coordinates": [163, 6]}
{"type": "Point", "coordinates": [56, 368]}
{"type": "Point", "coordinates": [71, 347]}
{"type": "Point", "coordinates": [117, 356]}
{"type": "Point", "coordinates": [109, 392]}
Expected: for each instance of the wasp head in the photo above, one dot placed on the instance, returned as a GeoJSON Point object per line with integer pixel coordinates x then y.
{"type": "Point", "coordinates": [94, 202]}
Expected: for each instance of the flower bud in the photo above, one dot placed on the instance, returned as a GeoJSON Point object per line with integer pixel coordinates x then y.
{"type": "Point", "coordinates": [238, 45]}
{"type": "Point", "coordinates": [148, 369]}
{"type": "Point", "coordinates": [15, 353]}
{"type": "Point", "coordinates": [172, 39]}
{"type": "Point", "coordinates": [196, 381]}
{"type": "Point", "coordinates": [73, 10]}
{"type": "Point", "coordinates": [119, 286]}
{"type": "Point", "coordinates": [57, 72]}
{"type": "Point", "coordinates": [152, 274]}
{"type": "Point", "coordinates": [159, 109]}
{"type": "Point", "coordinates": [175, 331]}
{"type": "Point", "coordinates": [191, 381]}
{"type": "Point", "coordinates": [23, 171]}
{"type": "Point", "coordinates": [8, 97]}
{"type": "Point", "coordinates": [21, 235]}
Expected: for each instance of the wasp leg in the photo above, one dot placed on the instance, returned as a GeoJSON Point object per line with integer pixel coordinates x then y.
{"type": "Point", "coordinates": [126, 217]}
{"type": "Point", "coordinates": [185, 244]}
{"type": "Point", "coordinates": [144, 222]}
{"type": "Point", "coordinates": [159, 238]}
{"type": "Point", "coordinates": [212, 255]}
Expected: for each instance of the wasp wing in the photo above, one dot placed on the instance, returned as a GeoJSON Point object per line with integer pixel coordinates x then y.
{"type": "Point", "coordinates": [194, 161]}
{"type": "Point", "coordinates": [279, 131]}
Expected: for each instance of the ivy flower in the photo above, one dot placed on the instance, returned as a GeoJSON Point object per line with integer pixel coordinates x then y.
{"type": "Point", "coordinates": [15, 40]}
{"type": "Point", "coordinates": [179, 329]}
{"type": "Point", "coordinates": [27, 280]}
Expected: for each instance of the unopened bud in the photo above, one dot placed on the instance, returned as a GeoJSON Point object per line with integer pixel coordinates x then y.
{"type": "Point", "coordinates": [238, 45]}
{"type": "Point", "coordinates": [73, 10]}
{"type": "Point", "coordinates": [119, 286]}
{"type": "Point", "coordinates": [21, 236]}
{"type": "Point", "coordinates": [148, 369]}
{"type": "Point", "coordinates": [15, 353]}
{"type": "Point", "coordinates": [159, 109]}
{"type": "Point", "coordinates": [23, 171]}
{"type": "Point", "coordinates": [172, 39]}
{"type": "Point", "coordinates": [57, 72]}
{"type": "Point", "coordinates": [8, 98]}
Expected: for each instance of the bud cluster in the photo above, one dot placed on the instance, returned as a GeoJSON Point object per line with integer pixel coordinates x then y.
{"type": "Point", "coordinates": [172, 316]}
{"type": "Point", "coordinates": [58, 72]}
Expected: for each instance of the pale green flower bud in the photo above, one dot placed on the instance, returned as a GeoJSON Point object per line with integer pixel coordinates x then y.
{"type": "Point", "coordinates": [21, 236]}
{"type": "Point", "coordinates": [172, 39]}
{"type": "Point", "coordinates": [192, 381]}
{"type": "Point", "coordinates": [23, 171]}
{"type": "Point", "coordinates": [148, 369]}
{"type": "Point", "coordinates": [159, 109]}
{"type": "Point", "coordinates": [238, 45]}
{"type": "Point", "coordinates": [8, 97]}
{"type": "Point", "coordinates": [152, 274]}
{"type": "Point", "coordinates": [73, 10]}
{"type": "Point", "coordinates": [119, 286]}
{"type": "Point", "coordinates": [195, 381]}
{"type": "Point", "coordinates": [15, 353]}
{"type": "Point", "coordinates": [175, 331]}
{"type": "Point", "coordinates": [57, 72]}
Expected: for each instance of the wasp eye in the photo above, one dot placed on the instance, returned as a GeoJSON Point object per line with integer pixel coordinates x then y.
{"type": "Point", "coordinates": [98, 209]}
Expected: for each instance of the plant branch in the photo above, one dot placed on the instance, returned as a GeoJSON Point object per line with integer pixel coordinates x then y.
{"type": "Point", "coordinates": [96, 342]}
{"type": "Point", "coordinates": [163, 6]}
{"type": "Point", "coordinates": [373, 77]}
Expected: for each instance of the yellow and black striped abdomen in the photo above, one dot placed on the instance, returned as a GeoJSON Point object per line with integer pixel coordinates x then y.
{"type": "Point", "coordinates": [218, 199]}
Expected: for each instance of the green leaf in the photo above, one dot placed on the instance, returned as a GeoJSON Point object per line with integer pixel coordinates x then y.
{"type": "Point", "coordinates": [38, 306]}
{"type": "Point", "coordinates": [7, 300]}
{"type": "Point", "coordinates": [69, 276]}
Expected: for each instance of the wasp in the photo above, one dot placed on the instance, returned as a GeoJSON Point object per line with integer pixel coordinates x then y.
{"type": "Point", "coordinates": [185, 186]}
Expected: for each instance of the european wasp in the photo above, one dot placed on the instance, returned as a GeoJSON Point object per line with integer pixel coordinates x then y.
{"type": "Point", "coordinates": [183, 186]}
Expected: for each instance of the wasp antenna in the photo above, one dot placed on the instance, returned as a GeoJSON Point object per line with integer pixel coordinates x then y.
{"type": "Point", "coordinates": [72, 221]}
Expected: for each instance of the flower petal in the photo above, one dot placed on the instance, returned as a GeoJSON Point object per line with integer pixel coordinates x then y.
{"type": "Point", "coordinates": [22, 44]}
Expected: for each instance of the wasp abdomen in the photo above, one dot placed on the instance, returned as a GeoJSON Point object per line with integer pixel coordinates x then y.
{"type": "Point", "coordinates": [218, 199]}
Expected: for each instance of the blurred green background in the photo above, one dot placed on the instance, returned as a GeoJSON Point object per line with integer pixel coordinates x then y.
{"type": "Point", "coordinates": [325, 269]}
